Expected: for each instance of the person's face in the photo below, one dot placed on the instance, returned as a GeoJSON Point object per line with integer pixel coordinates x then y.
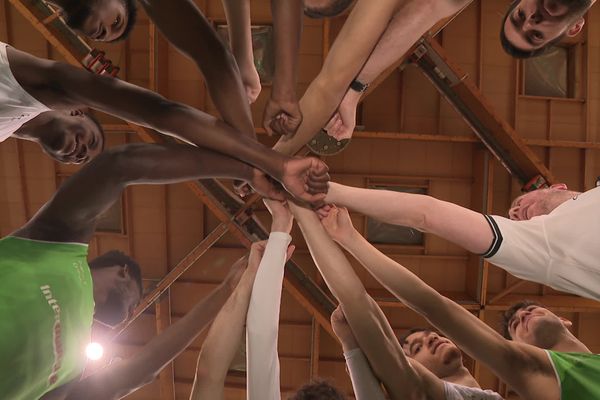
{"type": "Point", "coordinates": [106, 21]}
{"type": "Point", "coordinates": [537, 326]}
{"type": "Point", "coordinates": [434, 352]}
{"type": "Point", "coordinates": [74, 139]}
{"type": "Point", "coordinates": [122, 297]}
{"type": "Point", "coordinates": [534, 23]}
{"type": "Point", "coordinates": [537, 202]}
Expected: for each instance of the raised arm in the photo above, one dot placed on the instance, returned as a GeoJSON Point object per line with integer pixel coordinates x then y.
{"type": "Point", "coordinates": [370, 326]}
{"type": "Point", "coordinates": [184, 26]}
{"type": "Point", "coordinates": [262, 322]}
{"type": "Point", "coordinates": [120, 379]}
{"type": "Point", "coordinates": [240, 36]}
{"type": "Point", "coordinates": [72, 212]}
{"type": "Point", "coordinates": [452, 222]}
{"type": "Point", "coordinates": [410, 23]}
{"type": "Point", "coordinates": [282, 112]}
{"type": "Point", "coordinates": [515, 363]}
{"type": "Point", "coordinates": [56, 84]}
{"type": "Point", "coordinates": [225, 335]}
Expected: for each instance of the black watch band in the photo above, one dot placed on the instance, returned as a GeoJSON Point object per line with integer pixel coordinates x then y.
{"type": "Point", "coordinates": [358, 86]}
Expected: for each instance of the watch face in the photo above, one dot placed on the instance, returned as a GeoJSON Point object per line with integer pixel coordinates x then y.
{"type": "Point", "coordinates": [325, 145]}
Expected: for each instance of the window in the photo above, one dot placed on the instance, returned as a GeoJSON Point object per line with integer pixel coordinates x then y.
{"type": "Point", "coordinates": [554, 74]}
{"type": "Point", "coordinates": [380, 232]}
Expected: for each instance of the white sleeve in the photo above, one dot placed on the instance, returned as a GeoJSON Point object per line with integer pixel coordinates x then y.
{"type": "Point", "coordinates": [459, 392]}
{"type": "Point", "coordinates": [262, 322]}
{"type": "Point", "coordinates": [520, 247]}
{"type": "Point", "coordinates": [366, 386]}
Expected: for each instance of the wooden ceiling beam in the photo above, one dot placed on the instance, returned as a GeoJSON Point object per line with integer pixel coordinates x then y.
{"type": "Point", "coordinates": [559, 303]}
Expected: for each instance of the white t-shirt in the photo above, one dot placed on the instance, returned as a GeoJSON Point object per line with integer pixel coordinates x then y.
{"type": "Point", "coordinates": [459, 392]}
{"type": "Point", "coordinates": [262, 322]}
{"type": "Point", "coordinates": [16, 105]}
{"type": "Point", "coordinates": [561, 249]}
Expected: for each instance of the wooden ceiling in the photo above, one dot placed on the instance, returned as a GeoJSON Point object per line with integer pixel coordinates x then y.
{"type": "Point", "coordinates": [412, 138]}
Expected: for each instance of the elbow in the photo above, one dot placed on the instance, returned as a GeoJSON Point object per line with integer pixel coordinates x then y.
{"type": "Point", "coordinates": [422, 218]}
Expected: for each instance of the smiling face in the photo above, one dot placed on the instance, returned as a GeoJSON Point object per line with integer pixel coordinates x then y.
{"type": "Point", "coordinates": [72, 139]}
{"type": "Point", "coordinates": [532, 24]}
{"type": "Point", "coordinates": [537, 326]}
{"type": "Point", "coordinates": [434, 352]}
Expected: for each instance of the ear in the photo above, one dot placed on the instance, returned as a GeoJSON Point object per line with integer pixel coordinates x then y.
{"type": "Point", "coordinates": [124, 271]}
{"type": "Point", "coordinates": [574, 29]}
{"type": "Point", "coordinates": [559, 186]}
{"type": "Point", "coordinates": [567, 323]}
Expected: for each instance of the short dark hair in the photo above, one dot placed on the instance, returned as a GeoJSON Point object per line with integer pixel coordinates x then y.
{"type": "Point", "coordinates": [96, 122]}
{"type": "Point", "coordinates": [131, 8]}
{"type": "Point", "coordinates": [403, 339]}
{"type": "Point", "coordinates": [116, 257]}
{"type": "Point", "coordinates": [335, 7]}
{"type": "Point", "coordinates": [510, 313]}
{"type": "Point", "coordinates": [516, 52]}
{"type": "Point", "coordinates": [318, 390]}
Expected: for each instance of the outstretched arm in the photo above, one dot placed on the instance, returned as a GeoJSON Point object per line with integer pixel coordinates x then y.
{"type": "Point", "coordinates": [199, 41]}
{"type": "Point", "coordinates": [56, 84]}
{"type": "Point", "coordinates": [515, 363]}
{"type": "Point", "coordinates": [262, 359]}
{"type": "Point", "coordinates": [452, 222]}
{"type": "Point", "coordinates": [282, 112]}
{"type": "Point", "coordinates": [225, 335]}
{"type": "Point", "coordinates": [118, 380]}
{"type": "Point", "coordinates": [370, 326]}
{"type": "Point", "coordinates": [71, 214]}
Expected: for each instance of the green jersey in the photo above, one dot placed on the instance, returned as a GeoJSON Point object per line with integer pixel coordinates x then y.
{"type": "Point", "coordinates": [46, 313]}
{"type": "Point", "coordinates": [578, 374]}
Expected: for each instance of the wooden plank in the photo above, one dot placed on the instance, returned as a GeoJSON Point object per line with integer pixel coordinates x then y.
{"type": "Point", "coordinates": [566, 303]}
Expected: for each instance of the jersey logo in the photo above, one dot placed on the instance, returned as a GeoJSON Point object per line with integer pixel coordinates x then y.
{"type": "Point", "coordinates": [56, 331]}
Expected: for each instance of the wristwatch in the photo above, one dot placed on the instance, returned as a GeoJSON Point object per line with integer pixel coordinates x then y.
{"type": "Point", "coordinates": [358, 86]}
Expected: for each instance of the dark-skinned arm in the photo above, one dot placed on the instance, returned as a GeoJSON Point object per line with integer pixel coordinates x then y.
{"type": "Point", "coordinates": [71, 214]}
{"type": "Point", "coordinates": [60, 85]}
{"type": "Point", "coordinates": [282, 113]}
{"type": "Point", "coordinates": [118, 380]}
{"type": "Point", "coordinates": [199, 41]}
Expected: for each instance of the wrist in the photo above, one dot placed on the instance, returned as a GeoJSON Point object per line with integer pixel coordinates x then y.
{"type": "Point", "coordinates": [283, 91]}
{"type": "Point", "coordinates": [283, 225]}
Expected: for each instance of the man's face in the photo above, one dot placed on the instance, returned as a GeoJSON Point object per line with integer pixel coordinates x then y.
{"type": "Point", "coordinates": [434, 352]}
{"type": "Point", "coordinates": [538, 202]}
{"type": "Point", "coordinates": [103, 20]}
{"type": "Point", "coordinates": [122, 298]}
{"type": "Point", "coordinates": [537, 326]}
{"type": "Point", "coordinates": [534, 23]}
{"type": "Point", "coordinates": [75, 139]}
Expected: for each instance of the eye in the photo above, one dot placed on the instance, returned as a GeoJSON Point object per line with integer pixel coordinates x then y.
{"type": "Point", "coordinates": [521, 14]}
{"type": "Point", "coordinates": [417, 348]}
{"type": "Point", "coordinates": [116, 22]}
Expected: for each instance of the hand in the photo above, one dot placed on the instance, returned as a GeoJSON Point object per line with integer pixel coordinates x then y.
{"type": "Point", "coordinates": [282, 216]}
{"type": "Point", "coordinates": [338, 224]}
{"type": "Point", "coordinates": [251, 81]}
{"type": "Point", "coordinates": [263, 185]}
{"type": "Point", "coordinates": [306, 179]}
{"type": "Point", "coordinates": [235, 273]}
{"type": "Point", "coordinates": [282, 117]}
{"type": "Point", "coordinates": [342, 124]}
{"type": "Point", "coordinates": [342, 330]}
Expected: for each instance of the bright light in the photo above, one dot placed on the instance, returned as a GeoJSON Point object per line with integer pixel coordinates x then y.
{"type": "Point", "coordinates": [94, 351]}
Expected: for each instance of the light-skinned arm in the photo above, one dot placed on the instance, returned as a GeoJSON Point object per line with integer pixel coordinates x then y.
{"type": "Point", "coordinates": [120, 379]}
{"type": "Point", "coordinates": [240, 36]}
{"type": "Point", "coordinates": [199, 41]}
{"type": "Point", "coordinates": [525, 368]}
{"type": "Point", "coordinates": [262, 322]}
{"type": "Point", "coordinates": [459, 225]}
{"type": "Point", "coordinates": [369, 325]}
{"type": "Point", "coordinates": [282, 113]}
{"type": "Point", "coordinates": [60, 85]}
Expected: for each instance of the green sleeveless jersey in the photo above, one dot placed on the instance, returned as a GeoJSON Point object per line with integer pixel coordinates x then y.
{"type": "Point", "coordinates": [46, 313]}
{"type": "Point", "coordinates": [578, 374]}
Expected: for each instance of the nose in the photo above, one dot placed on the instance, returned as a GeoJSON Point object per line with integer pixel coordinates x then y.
{"type": "Point", "coordinates": [533, 18]}
{"type": "Point", "coordinates": [432, 339]}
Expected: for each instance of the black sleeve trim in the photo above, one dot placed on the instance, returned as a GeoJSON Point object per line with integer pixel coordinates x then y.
{"type": "Point", "coordinates": [497, 242]}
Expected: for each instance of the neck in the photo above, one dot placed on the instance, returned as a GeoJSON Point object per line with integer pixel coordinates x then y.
{"type": "Point", "coordinates": [100, 294]}
{"type": "Point", "coordinates": [31, 129]}
{"type": "Point", "coordinates": [570, 344]}
{"type": "Point", "coordinates": [463, 377]}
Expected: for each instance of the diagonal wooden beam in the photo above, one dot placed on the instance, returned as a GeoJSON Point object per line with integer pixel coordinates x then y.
{"type": "Point", "coordinates": [498, 136]}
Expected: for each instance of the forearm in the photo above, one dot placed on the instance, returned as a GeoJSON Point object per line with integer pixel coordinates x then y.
{"type": "Point", "coordinates": [200, 42]}
{"type": "Point", "coordinates": [263, 321]}
{"type": "Point", "coordinates": [239, 25]}
{"type": "Point", "coordinates": [287, 27]}
{"type": "Point", "coordinates": [457, 224]}
{"type": "Point", "coordinates": [366, 386]}
{"type": "Point", "coordinates": [352, 47]}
